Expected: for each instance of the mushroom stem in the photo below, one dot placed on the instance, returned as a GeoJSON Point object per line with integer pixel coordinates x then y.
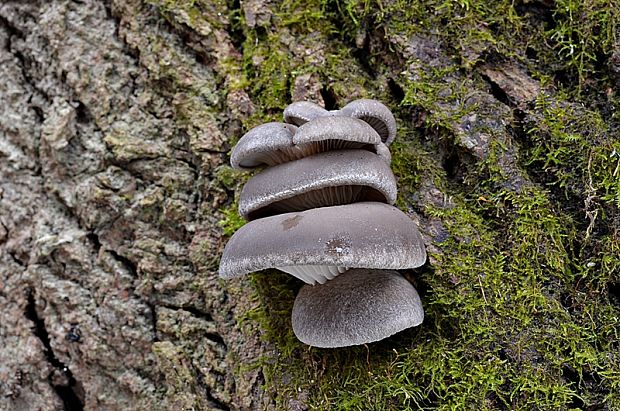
{"type": "Point", "coordinates": [312, 274]}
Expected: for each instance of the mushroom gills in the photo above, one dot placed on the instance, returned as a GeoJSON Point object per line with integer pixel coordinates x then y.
{"type": "Point", "coordinates": [275, 157]}
{"type": "Point", "coordinates": [323, 197]}
{"type": "Point", "coordinates": [374, 113]}
{"type": "Point", "coordinates": [378, 124]}
{"type": "Point", "coordinates": [297, 152]}
{"type": "Point", "coordinates": [312, 274]}
{"type": "Point", "coordinates": [334, 144]}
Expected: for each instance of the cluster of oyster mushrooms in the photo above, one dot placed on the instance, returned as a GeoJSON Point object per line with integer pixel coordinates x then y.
{"type": "Point", "coordinates": [322, 211]}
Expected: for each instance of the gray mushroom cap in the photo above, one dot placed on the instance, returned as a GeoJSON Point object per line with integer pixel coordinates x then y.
{"type": "Point", "coordinates": [325, 179]}
{"type": "Point", "coordinates": [384, 152]}
{"type": "Point", "coordinates": [264, 144]}
{"type": "Point", "coordinates": [337, 132]}
{"type": "Point", "coordinates": [365, 235]}
{"type": "Point", "coordinates": [358, 307]}
{"type": "Point", "coordinates": [374, 113]}
{"type": "Point", "coordinates": [301, 112]}
{"type": "Point", "coordinates": [276, 143]}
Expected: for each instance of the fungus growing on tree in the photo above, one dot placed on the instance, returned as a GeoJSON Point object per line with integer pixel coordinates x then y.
{"type": "Point", "coordinates": [322, 211]}
{"type": "Point", "coordinates": [301, 112]}
{"type": "Point", "coordinates": [315, 245]}
{"type": "Point", "coordinates": [374, 113]}
{"type": "Point", "coordinates": [325, 179]}
{"type": "Point", "coordinates": [276, 143]}
{"type": "Point", "coordinates": [358, 307]}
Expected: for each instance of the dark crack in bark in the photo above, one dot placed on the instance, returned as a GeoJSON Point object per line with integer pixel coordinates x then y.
{"type": "Point", "coordinates": [67, 387]}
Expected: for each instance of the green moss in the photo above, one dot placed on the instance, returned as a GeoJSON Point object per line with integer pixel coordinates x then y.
{"type": "Point", "coordinates": [231, 221]}
{"type": "Point", "coordinates": [272, 75]}
{"type": "Point", "coordinates": [518, 309]}
{"type": "Point", "coordinates": [408, 159]}
{"type": "Point", "coordinates": [583, 31]}
{"type": "Point", "coordinates": [230, 178]}
{"type": "Point", "coordinates": [573, 145]}
{"type": "Point", "coordinates": [469, 27]}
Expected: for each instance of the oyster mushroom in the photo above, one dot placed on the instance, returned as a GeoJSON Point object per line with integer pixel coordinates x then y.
{"type": "Point", "coordinates": [358, 307]}
{"type": "Point", "coordinates": [325, 179]}
{"type": "Point", "coordinates": [318, 244]}
{"type": "Point", "coordinates": [276, 143]}
{"type": "Point", "coordinates": [374, 113]}
{"type": "Point", "coordinates": [301, 112]}
{"type": "Point", "coordinates": [337, 133]}
{"type": "Point", "coordinates": [266, 144]}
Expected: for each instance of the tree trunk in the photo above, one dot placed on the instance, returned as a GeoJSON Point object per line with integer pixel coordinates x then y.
{"type": "Point", "coordinates": [116, 199]}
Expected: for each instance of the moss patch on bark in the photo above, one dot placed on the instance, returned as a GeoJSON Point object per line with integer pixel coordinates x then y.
{"type": "Point", "coordinates": [507, 155]}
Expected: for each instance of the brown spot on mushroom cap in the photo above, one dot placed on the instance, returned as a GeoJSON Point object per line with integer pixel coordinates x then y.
{"type": "Point", "coordinates": [291, 222]}
{"type": "Point", "coordinates": [377, 236]}
{"type": "Point", "coordinates": [358, 307]}
{"type": "Point", "coordinates": [325, 179]}
{"type": "Point", "coordinates": [301, 112]}
{"type": "Point", "coordinates": [374, 113]}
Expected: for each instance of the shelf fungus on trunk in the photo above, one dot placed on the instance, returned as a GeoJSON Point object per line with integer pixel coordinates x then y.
{"type": "Point", "coordinates": [322, 211]}
{"type": "Point", "coordinates": [313, 244]}
{"type": "Point", "coordinates": [325, 179]}
{"type": "Point", "coordinates": [276, 143]}
{"type": "Point", "coordinates": [358, 307]}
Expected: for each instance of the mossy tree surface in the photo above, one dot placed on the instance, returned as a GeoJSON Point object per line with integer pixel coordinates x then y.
{"type": "Point", "coordinates": [507, 152]}
{"type": "Point", "coordinates": [507, 157]}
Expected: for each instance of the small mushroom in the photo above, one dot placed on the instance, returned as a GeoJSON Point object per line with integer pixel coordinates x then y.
{"type": "Point", "coordinates": [325, 179]}
{"type": "Point", "coordinates": [318, 244]}
{"type": "Point", "coordinates": [358, 307]}
{"type": "Point", "coordinates": [374, 113]}
{"type": "Point", "coordinates": [301, 112]}
{"type": "Point", "coordinates": [276, 143]}
{"type": "Point", "coordinates": [384, 152]}
{"type": "Point", "coordinates": [266, 144]}
{"type": "Point", "coordinates": [338, 133]}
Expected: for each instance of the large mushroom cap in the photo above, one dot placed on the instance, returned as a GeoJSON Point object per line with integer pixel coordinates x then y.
{"type": "Point", "coordinates": [358, 307]}
{"type": "Point", "coordinates": [374, 113]}
{"type": "Point", "coordinates": [365, 235]}
{"type": "Point", "coordinates": [325, 179]}
{"type": "Point", "coordinates": [267, 144]}
{"type": "Point", "coordinates": [301, 112]}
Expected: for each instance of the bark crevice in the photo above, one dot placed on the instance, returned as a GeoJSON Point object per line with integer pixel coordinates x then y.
{"type": "Point", "coordinates": [62, 380]}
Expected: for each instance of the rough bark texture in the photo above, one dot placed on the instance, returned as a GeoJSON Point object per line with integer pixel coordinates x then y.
{"type": "Point", "coordinates": [115, 201]}
{"type": "Point", "coordinates": [103, 304]}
